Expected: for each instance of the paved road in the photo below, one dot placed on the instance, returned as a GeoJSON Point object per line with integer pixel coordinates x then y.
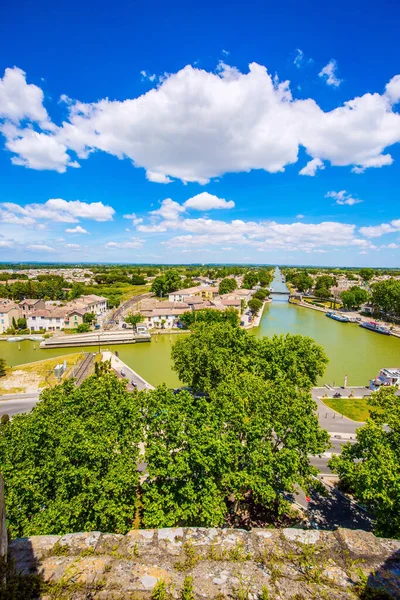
{"type": "Point", "coordinates": [120, 367]}
{"type": "Point", "coordinates": [14, 404]}
{"type": "Point", "coordinates": [333, 510]}
{"type": "Point", "coordinates": [331, 420]}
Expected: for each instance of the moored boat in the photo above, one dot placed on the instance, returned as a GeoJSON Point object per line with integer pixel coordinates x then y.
{"type": "Point", "coordinates": [373, 326]}
{"type": "Point", "coordinates": [336, 317]}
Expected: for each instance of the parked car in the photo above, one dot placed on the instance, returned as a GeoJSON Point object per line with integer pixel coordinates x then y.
{"type": "Point", "coordinates": [337, 395]}
{"type": "Point", "coordinates": [133, 383]}
{"type": "Point", "coordinates": [123, 374]}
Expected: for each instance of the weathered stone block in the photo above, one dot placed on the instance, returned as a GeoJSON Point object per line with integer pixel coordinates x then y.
{"type": "Point", "coordinates": [79, 542]}
{"type": "Point", "coordinates": [171, 540]}
{"type": "Point", "coordinates": [27, 552]}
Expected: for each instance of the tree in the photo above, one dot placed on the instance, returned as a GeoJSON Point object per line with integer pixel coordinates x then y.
{"type": "Point", "coordinates": [89, 318]}
{"type": "Point", "coordinates": [21, 323]}
{"type": "Point", "coordinates": [214, 351]}
{"type": "Point", "coordinates": [370, 468]}
{"type": "Point", "coordinates": [210, 315]}
{"type": "Point", "coordinates": [138, 280]}
{"type": "Point", "coordinates": [323, 293]}
{"type": "Point", "coordinates": [261, 294]}
{"type": "Point", "coordinates": [78, 472]}
{"type": "Point", "coordinates": [164, 284]}
{"type": "Point", "coordinates": [227, 285]}
{"type": "Point", "coordinates": [14, 323]}
{"type": "Point", "coordinates": [83, 328]}
{"type": "Point", "coordinates": [255, 305]}
{"type": "Point", "coordinates": [4, 419]}
{"type": "Point", "coordinates": [302, 282]}
{"type": "Point", "coordinates": [76, 291]}
{"type": "Point", "coordinates": [366, 274]}
{"type": "Point", "coordinates": [354, 297]}
{"type": "Point", "coordinates": [3, 367]}
{"type": "Point", "coordinates": [233, 453]}
{"type": "Point", "coordinates": [250, 280]}
{"type": "Point", "coordinates": [133, 319]}
{"type": "Point", "coordinates": [386, 296]}
{"type": "Point", "coordinates": [265, 278]}
{"type": "Point", "coordinates": [325, 282]}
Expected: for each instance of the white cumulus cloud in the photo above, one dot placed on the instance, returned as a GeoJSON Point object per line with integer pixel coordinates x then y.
{"type": "Point", "coordinates": [329, 73]}
{"type": "Point", "coordinates": [206, 201]}
{"type": "Point", "coordinates": [312, 167]}
{"type": "Point", "coordinates": [343, 197]}
{"type": "Point", "coordinates": [197, 125]}
{"type": "Point", "coordinates": [77, 229]}
{"type": "Point", "coordinates": [55, 209]}
{"type": "Point", "coordinates": [374, 231]}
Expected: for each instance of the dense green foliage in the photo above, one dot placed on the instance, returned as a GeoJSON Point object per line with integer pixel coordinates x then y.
{"type": "Point", "coordinates": [164, 284]}
{"type": "Point", "coordinates": [133, 319]}
{"type": "Point", "coordinates": [83, 328]}
{"type": "Point", "coordinates": [386, 296]}
{"type": "Point", "coordinates": [302, 281]}
{"type": "Point", "coordinates": [250, 280]}
{"type": "Point", "coordinates": [3, 366]}
{"type": "Point", "coordinates": [138, 280]}
{"type": "Point", "coordinates": [370, 469]}
{"type": "Point", "coordinates": [215, 351]}
{"type": "Point", "coordinates": [325, 282]}
{"type": "Point", "coordinates": [49, 289]}
{"type": "Point", "coordinates": [210, 315]}
{"type": "Point", "coordinates": [366, 274]}
{"type": "Point", "coordinates": [89, 317]}
{"type": "Point", "coordinates": [261, 294]}
{"type": "Point", "coordinates": [230, 455]}
{"type": "Point", "coordinates": [226, 452]}
{"type": "Point", "coordinates": [227, 285]}
{"type": "Point", "coordinates": [70, 464]}
{"type": "Point", "coordinates": [255, 305]}
{"type": "Point", "coordinates": [354, 297]}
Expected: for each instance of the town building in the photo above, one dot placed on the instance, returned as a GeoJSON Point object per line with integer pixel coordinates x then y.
{"type": "Point", "coordinates": [8, 311]}
{"type": "Point", "coordinates": [28, 306]}
{"type": "Point", "coordinates": [205, 292]}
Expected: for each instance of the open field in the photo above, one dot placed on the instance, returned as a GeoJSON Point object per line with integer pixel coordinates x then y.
{"type": "Point", "coordinates": [356, 409]}
{"type": "Point", "coordinates": [34, 376]}
{"type": "Point", "coordinates": [117, 291]}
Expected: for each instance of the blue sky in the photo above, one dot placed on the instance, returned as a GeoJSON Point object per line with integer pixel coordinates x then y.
{"type": "Point", "coordinates": [161, 132]}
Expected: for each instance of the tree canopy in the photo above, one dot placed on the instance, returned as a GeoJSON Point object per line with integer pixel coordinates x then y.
{"type": "Point", "coordinates": [133, 319]}
{"type": "Point", "coordinates": [370, 468]}
{"type": "Point", "coordinates": [255, 305]}
{"type": "Point", "coordinates": [210, 315]}
{"type": "Point", "coordinates": [71, 464]}
{"type": "Point", "coordinates": [227, 285]}
{"type": "Point", "coordinates": [386, 296]}
{"type": "Point", "coordinates": [231, 455]}
{"type": "Point", "coordinates": [354, 297]}
{"type": "Point", "coordinates": [3, 365]}
{"type": "Point", "coordinates": [366, 274]}
{"type": "Point", "coordinates": [250, 280]}
{"type": "Point", "coordinates": [214, 351]}
{"type": "Point", "coordinates": [164, 284]}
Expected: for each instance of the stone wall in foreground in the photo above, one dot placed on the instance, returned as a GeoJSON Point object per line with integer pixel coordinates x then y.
{"type": "Point", "coordinates": [224, 563]}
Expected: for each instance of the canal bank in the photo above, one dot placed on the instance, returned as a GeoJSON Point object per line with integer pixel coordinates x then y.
{"type": "Point", "coordinates": [351, 350]}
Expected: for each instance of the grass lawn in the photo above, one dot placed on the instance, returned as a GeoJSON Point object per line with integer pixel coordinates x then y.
{"type": "Point", "coordinates": [356, 409]}
{"type": "Point", "coordinates": [40, 374]}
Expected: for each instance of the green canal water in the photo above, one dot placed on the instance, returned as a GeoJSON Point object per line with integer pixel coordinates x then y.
{"type": "Point", "coordinates": [351, 350]}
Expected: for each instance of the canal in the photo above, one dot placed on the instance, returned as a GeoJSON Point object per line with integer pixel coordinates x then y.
{"type": "Point", "coordinates": [351, 350]}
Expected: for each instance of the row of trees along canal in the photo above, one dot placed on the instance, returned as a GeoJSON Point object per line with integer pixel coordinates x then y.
{"type": "Point", "coordinates": [227, 452]}
{"type": "Point", "coordinates": [384, 295]}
